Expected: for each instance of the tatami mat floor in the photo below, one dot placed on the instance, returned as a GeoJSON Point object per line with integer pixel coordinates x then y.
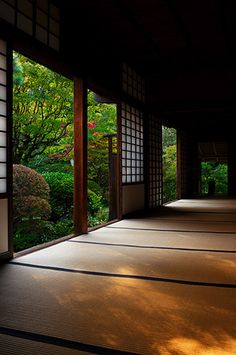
{"type": "Point", "coordinates": [164, 284]}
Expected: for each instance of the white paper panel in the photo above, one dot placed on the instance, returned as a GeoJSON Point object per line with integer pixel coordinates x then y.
{"type": "Point", "coordinates": [3, 186]}
{"type": "Point", "coordinates": [41, 34]}
{"type": "Point", "coordinates": [24, 24]}
{"type": "Point", "coordinates": [53, 42]}
{"type": "Point", "coordinates": [3, 170]}
{"type": "Point", "coordinates": [54, 12]}
{"type": "Point", "coordinates": [11, 2]}
{"type": "Point", "coordinates": [7, 13]}
{"type": "Point", "coordinates": [41, 18]}
{"type": "Point", "coordinates": [3, 124]}
{"type": "Point", "coordinates": [3, 108]}
{"type": "Point", "coordinates": [26, 7]}
{"type": "Point", "coordinates": [3, 139]}
{"type": "Point", "coordinates": [3, 61]}
{"type": "Point", "coordinates": [3, 47]}
{"type": "Point", "coordinates": [3, 225]}
{"type": "Point", "coordinates": [3, 93]}
{"type": "Point", "coordinates": [43, 4]}
{"type": "Point", "coordinates": [3, 155]}
{"type": "Point", "coordinates": [3, 77]}
{"type": "Point", "coordinates": [54, 27]}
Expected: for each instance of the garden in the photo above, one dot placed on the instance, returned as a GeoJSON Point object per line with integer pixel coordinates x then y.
{"type": "Point", "coordinates": [43, 155]}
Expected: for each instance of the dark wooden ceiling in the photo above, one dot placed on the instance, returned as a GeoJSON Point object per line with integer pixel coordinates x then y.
{"type": "Point", "coordinates": [186, 49]}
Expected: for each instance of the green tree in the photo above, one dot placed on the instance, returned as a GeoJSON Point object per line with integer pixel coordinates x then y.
{"type": "Point", "coordinates": [169, 163]}
{"type": "Point", "coordinates": [101, 122]}
{"type": "Point", "coordinates": [168, 136]}
{"type": "Point", "coordinates": [42, 109]}
{"type": "Point", "coordinates": [169, 173]}
{"type": "Point", "coordinates": [214, 171]}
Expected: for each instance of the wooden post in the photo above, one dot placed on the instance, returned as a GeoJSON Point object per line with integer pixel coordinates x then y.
{"type": "Point", "coordinates": [80, 157]}
{"type": "Point", "coordinates": [232, 169]}
{"type": "Point", "coordinates": [179, 163]}
{"type": "Point", "coordinates": [119, 163]}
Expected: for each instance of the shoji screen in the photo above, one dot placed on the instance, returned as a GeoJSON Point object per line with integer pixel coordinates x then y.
{"type": "Point", "coordinates": [132, 145]}
{"type": "Point", "coordinates": [155, 162]}
{"type": "Point", "coordinates": [3, 150]}
{"type": "Point", "coordinates": [39, 19]}
{"type": "Point", "coordinates": [132, 140]}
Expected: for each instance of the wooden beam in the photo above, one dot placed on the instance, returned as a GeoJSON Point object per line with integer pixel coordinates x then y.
{"type": "Point", "coordinates": [80, 157]}
{"type": "Point", "coordinates": [225, 29]}
{"type": "Point", "coordinates": [172, 6]}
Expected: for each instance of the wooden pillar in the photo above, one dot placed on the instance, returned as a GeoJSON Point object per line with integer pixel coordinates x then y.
{"type": "Point", "coordinates": [146, 159]}
{"type": "Point", "coordinates": [196, 170]}
{"type": "Point", "coordinates": [187, 166]}
{"type": "Point", "coordinates": [119, 162]}
{"type": "Point", "coordinates": [80, 157]}
{"type": "Point", "coordinates": [232, 169]}
{"type": "Point", "coordinates": [180, 166]}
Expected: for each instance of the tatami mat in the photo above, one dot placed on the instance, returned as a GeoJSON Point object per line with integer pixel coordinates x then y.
{"type": "Point", "coordinates": [20, 346]}
{"type": "Point", "coordinates": [123, 290]}
{"type": "Point", "coordinates": [159, 263]}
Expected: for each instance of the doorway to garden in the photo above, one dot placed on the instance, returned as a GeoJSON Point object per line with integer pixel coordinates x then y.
{"type": "Point", "coordinates": [169, 154]}
{"type": "Point", "coordinates": [213, 157]}
{"type": "Point", "coordinates": [103, 179]}
{"type": "Point", "coordinates": [42, 152]}
{"type": "Point", "coordinates": [214, 178]}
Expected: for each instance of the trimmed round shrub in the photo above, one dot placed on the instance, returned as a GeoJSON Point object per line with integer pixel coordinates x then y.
{"type": "Point", "coordinates": [30, 194]}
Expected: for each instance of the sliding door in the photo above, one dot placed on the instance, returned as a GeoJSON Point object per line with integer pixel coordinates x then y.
{"type": "Point", "coordinates": [5, 168]}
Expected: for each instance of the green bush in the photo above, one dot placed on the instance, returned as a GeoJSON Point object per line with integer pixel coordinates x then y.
{"type": "Point", "coordinates": [61, 194]}
{"type": "Point", "coordinates": [94, 186]}
{"type": "Point", "coordinates": [30, 233]}
{"type": "Point", "coordinates": [94, 202]}
{"type": "Point", "coordinates": [30, 195]}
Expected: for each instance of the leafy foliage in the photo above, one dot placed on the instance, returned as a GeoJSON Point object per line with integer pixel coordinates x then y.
{"type": "Point", "coordinates": [213, 171]}
{"type": "Point", "coordinates": [101, 123]}
{"type": "Point", "coordinates": [30, 195]}
{"type": "Point", "coordinates": [42, 109]}
{"type": "Point", "coordinates": [168, 136]}
{"type": "Point", "coordinates": [28, 234]}
{"type": "Point", "coordinates": [61, 196]}
{"type": "Point", "coordinates": [101, 118]}
{"type": "Point", "coordinates": [169, 164]}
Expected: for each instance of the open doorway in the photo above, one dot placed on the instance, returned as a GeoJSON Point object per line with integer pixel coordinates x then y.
{"type": "Point", "coordinates": [214, 168]}
{"type": "Point", "coordinates": [169, 147]}
{"type": "Point", "coordinates": [214, 178]}
{"type": "Point", "coordinates": [42, 154]}
{"type": "Point", "coordinates": [102, 160]}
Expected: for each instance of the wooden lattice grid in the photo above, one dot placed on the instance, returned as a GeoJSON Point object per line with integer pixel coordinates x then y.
{"type": "Point", "coordinates": [155, 162]}
{"type": "Point", "coordinates": [132, 145]}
